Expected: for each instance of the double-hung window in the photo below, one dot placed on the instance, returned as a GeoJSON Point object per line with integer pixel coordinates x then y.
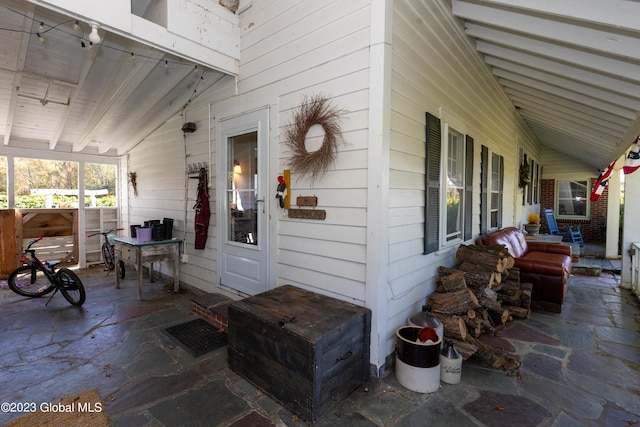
{"type": "Point", "coordinates": [454, 186]}
{"type": "Point", "coordinates": [492, 182]}
{"type": "Point", "coordinates": [448, 186]}
{"type": "Point", "coordinates": [572, 199]}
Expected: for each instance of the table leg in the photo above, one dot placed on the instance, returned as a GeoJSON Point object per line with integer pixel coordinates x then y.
{"type": "Point", "coordinates": [176, 273]}
{"type": "Point", "coordinates": [117, 272]}
{"type": "Point", "coordinates": [139, 272]}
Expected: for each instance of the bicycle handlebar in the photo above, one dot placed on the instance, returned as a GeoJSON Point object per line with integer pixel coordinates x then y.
{"type": "Point", "coordinates": [104, 233]}
{"type": "Point", "coordinates": [32, 242]}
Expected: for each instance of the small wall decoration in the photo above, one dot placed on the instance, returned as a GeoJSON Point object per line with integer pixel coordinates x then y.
{"type": "Point", "coordinates": [315, 110]}
{"type": "Point", "coordinates": [133, 179]}
{"type": "Point", "coordinates": [525, 175]}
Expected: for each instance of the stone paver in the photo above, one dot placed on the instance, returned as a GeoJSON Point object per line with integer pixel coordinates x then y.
{"type": "Point", "coordinates": [580, 367]}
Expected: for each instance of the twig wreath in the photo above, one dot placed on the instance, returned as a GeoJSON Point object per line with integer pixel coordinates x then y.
{"type": "Point", "coordinates": [314, 110]}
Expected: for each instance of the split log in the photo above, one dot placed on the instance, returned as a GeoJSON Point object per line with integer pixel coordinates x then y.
{"type": "Point", "coordinates": [495, 357]}
{"type": "Point", "coordinates": [493, 257]}
{"type": "Point", "coordinates": [451, 282]}
{"type": "Point", "coordinates": [453, 326]}
{"type": "Point", "coordinates": [525, 300]}
{"type": "Point", "coordinates": [457, 302]}
{"type": "Point", "coordinates": [515, 299]}
{"type": "Point", "coordinates": [518, 312]}
{"type": "Point", "coordinates": [486, 275]}
{"type": "Point", "coordinates": [477, 326]}
{"type": "Point", "coordinates": [466, 349]}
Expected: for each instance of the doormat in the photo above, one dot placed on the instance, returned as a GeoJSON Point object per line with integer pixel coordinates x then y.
{"type": "Point", "coordinates": [82, 409]}
{"type": "Point", "coordinates": [197, 337]}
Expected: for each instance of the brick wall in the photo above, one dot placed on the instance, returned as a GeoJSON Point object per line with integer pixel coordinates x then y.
{"type": "Point", "coordinates": [593, 229]}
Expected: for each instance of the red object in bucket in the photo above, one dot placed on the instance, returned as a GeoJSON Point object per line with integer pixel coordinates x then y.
{"type": "Point", "coordinates": [427, 333]}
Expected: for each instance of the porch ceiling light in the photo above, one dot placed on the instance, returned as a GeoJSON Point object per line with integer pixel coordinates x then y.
{"type": "Point", "coordinates": [94, 37]}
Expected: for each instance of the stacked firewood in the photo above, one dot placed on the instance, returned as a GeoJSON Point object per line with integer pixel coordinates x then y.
{"type": "Point", "coordinates": [482, 292]}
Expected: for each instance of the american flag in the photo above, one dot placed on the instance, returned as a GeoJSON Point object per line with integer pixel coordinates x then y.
{"type": "Point", "coordinates": [602, 182]}
{"type": "Point", "coordinates": [633, 158]}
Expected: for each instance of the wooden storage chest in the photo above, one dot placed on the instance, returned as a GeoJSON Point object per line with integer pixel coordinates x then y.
{"type": "Point", "coordinates": [306, 350]}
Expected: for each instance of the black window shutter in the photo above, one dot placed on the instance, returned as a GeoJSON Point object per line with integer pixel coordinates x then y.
{"type": "Point", "coordinates": [432, 184]}
{"type": "Point", "coordinates": [468, 189]}
{"type": "Point", "coordinates": [484, 190]}
{"type": "Point", "coordinates": [530, 186]}
{"type": "Point", "coordinates": [500, 207]}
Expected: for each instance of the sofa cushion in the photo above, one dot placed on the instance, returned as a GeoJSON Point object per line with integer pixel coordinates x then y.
{"type": "Point", "coordinates": [544, 263]}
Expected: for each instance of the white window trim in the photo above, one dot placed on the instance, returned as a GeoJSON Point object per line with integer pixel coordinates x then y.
{"type": "Point", "coordinates": [587, 214]}
{"type": "Point", "coordinates": [490, 190]}
{"type": "Point", "coordinates": [444, 243]}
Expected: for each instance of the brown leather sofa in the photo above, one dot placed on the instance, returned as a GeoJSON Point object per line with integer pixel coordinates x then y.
{"type": "Point", "coordinates": [546, 265]}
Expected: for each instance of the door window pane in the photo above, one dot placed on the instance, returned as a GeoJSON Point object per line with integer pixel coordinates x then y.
{"type": "Point", "coordinates": [242, 184]}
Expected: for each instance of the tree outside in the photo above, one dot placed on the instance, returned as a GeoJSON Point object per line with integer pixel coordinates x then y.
{"type": "Point", "coordinates": [41, 183]}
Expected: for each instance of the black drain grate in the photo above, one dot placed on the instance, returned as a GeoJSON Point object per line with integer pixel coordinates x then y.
{"type": "Point", "coordinates": [197, 336]}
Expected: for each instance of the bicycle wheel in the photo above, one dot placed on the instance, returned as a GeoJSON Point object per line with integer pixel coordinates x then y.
{"type": "Point", "coordinates": [71, 286]}
{"type": "Point", "coordinates": [29, 281]}
{"type": "Point", "coordinates": [121, 268]}
{"type": "Point", "coordinates": [107, 257]}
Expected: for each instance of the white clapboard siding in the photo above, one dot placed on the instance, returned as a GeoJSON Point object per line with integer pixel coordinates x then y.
{"type": "Point", "coordinates": [435, 69]}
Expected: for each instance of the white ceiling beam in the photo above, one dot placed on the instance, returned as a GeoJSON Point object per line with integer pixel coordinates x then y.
{"type": "Point", "coordinates": [569, 144]}
{"type": "Point", "coordinates": [573, 96]}
{"type": "Point", "coordinates": [531, 103]}
{"type": "Point", "coordinates": [599, 63]}
{"type": "Point", "coordinates": [167, 108]}
{"type": "Point", "coordinates": [582, 129]}
{"type": "Point", "coordinates": [529, 95]}
{"type": "Point", "coordinates": [87, 63]}
{"type": "Point", "coordinates": [175, 78]}
{"type": "Point", "coordinates": [123, 83]}
{"type": "Point", "coordinates": [568, 88]}
{"type": "Point", "coordinates": [621, 14]}
{"type": "Point", "coordinates": [589, 38]}
{"type": "Point", "coordinates": [494, 53]}
{"type": "Point", "coordinates": [17, 77]}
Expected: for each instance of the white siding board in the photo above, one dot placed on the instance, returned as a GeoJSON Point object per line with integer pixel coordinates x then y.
{"type": "Point", "coordinates": [328, 284]}
{"type": "Point", "coordinates": [343, 251]}
{"type": "Point", "coordinates": [321, 231]}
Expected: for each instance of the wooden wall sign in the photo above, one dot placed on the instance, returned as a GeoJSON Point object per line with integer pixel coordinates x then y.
{"type": "Point", "coordinates": [307, 201]}
{"type": "Point", "coordinates": [320, 214]}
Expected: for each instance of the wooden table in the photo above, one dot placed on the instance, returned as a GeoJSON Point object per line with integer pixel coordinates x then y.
{"type": "Point", "coordinates": [135, 253]}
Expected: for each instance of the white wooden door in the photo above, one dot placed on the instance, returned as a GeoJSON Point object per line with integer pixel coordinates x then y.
{"type": "Point", "coordinates": [242, 191]}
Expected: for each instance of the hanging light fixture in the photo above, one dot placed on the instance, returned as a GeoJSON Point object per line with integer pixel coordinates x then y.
{"type": "Point", "coordinates": [76, 25]}
{"type": "Point", "coordinates": [236, 167]}
{"type": "Point", "coordinates": [94, 37]}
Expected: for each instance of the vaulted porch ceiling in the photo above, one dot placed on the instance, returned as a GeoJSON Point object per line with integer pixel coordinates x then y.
{"type": "Point", "coordinates": [58, 91]}
{"type": "Point", "coordinates": [571, 68]}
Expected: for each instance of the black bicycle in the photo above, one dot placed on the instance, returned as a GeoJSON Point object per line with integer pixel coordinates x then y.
{"type": "Point", "coordinates": [108, 254]}
{"type": "Point", "coordinates": [36, 278]}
